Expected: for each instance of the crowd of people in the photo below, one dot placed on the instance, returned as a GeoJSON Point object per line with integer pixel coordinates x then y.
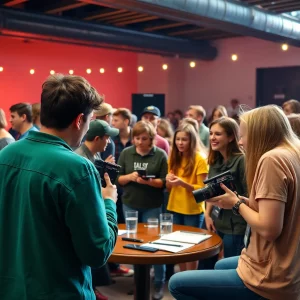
{"type": "Point", "coordinates": [55, 241]}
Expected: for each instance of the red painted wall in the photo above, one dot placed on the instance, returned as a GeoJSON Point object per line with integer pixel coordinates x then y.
{"type": "Point", "coordinates": [18, 57]}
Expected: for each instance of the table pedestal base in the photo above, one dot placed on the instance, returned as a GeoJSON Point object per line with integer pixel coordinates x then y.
{"type": "Point", "coordinates": [142, 282]}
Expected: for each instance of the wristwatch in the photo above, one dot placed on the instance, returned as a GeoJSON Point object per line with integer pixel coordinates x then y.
{"type": "Point", "coordinates": [236, 207]}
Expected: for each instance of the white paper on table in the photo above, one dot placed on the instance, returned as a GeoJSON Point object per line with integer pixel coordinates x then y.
{"type": "Point", "coordinates": [186, 237]}
{"type": "Point", "coordinates": [121, 232]}
{"type": "Point", "coordinates": [172, 249]}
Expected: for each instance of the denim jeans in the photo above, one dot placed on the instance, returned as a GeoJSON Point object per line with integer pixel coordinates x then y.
{"type": "Point", "coordinates": [144, 214]}
{"type": "Point", "coordinates": [221, 283]}
{"type": "Point", "coordinates": [188, 220]}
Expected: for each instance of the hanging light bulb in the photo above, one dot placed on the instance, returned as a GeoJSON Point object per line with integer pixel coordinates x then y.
{"type": "Point", "coordinates": [31, 71]}
{"type": "Point", "coordinates": [165, 66]}
{"type": "Point", "coordinates": [71, 72]}
{"type": "Point", "coordinates": [284, 47]}
{"type": "Point", "coordinates": [234, 57]}
{"type": "Point", "coordinates": [52, 72]}
{"type": "Point", "coordinates": [102, 70]}
{"type": "Point", "coordinates": [140, 69]}
{"type": "Point", "coordinates": [192, 64]}
{"type": "Point", "coordinates": [120, 69]}
{"type": "Point", "coordinates": [1, 69]}
{"type": "Point", "coordinates": [89, 71]}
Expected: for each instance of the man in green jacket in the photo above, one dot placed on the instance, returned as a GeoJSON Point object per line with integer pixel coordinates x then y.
{"type": "Point", "coordinates": [55, 219]}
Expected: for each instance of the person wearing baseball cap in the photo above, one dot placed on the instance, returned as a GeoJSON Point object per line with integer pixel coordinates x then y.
{"type": "Point", "coordinates": [96, 139]}
{"type": "Point", "coordinates": [152, 114]}
{"type": "Point", "coordinates": [104, 113]}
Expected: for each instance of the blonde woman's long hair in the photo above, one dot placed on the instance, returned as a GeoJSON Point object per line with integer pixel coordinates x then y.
{"type": "Point", "coordinates": [176, 156]}
{"type": "Point", "coordinates": [267, 128]}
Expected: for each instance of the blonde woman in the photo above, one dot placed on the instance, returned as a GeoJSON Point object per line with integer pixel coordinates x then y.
{"type": "Point", "coordinates": [187, 170]}
{"type": "Point", "coordinates": [269, 265]}
{"type": "Point", "coordinates": [5, 137]}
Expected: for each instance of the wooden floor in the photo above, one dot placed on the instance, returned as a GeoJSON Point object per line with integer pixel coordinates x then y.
{"type": "Point", "coordinates": [119, 290]}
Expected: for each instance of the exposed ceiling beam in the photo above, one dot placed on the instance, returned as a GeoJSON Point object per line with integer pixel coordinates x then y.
{"type": "Point", "coordinates": [100, 14]}
{"type": "Point", "coordinates": [288, 9]}
{"type": "Point", "coordinates": [188, 31]}
{"type": "Point", "coordinates": [137, 20]}
{"type": "Point", "coordinates": [165, 26]}
{"type": "Point", "coordinates": [53, 28]}
{"type": "Point", "coordinates": [282, 5]}
{"type": "Point", "coordinates": [124, 16]}
{"type": "Point", "coordinates": [13, 2]}
{"type": "Point", "coordinates": [63, 6]}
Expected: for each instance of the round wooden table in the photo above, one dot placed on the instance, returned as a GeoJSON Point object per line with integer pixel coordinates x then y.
{"type": "Point", "coordinates": [142, 261]}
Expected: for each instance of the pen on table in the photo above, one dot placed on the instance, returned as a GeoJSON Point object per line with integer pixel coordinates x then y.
{"type": "Point", "coordinates": [173, 245]}
{"type": "Point", "coordinates": [132, 240]}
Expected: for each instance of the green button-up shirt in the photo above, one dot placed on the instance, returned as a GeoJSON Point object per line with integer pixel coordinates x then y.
{"type": "Point", "coordinates": [54, 223]}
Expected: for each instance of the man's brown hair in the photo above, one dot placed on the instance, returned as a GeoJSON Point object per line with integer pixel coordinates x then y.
{"type": "Point", "coordinates": [124, 113]}
{"type": "Point", "coordinates": [64, 97]}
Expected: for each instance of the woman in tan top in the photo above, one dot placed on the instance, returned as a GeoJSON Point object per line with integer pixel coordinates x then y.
{"type": "Point", "coordinates": [269, 266]}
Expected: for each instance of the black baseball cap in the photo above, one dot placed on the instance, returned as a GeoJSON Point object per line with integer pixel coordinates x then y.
{"type": "Point", "coordinates": [152, 110]}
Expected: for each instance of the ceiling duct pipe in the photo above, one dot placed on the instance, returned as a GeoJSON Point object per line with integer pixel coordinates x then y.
{"type": "Point", "coordinates": [231, 16]}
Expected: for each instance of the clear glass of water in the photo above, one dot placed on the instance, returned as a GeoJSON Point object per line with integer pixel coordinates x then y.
{"type": "Point", "coordinates": [152, 222]}
{"type": "Point", "coordinates": [166, 223]}
{"type": "Point", "coordinates": [131, 220]}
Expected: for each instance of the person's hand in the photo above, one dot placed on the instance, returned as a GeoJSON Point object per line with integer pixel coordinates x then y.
{"type": "Point", "coordinates": [175, 181]}
{"type": "Point", "coordinates": [170, 176]}
{"type": "Point", "coordinates": [110, 159]}
{"type": "Point", "coordinates": [110, 191]}
{"type": "Point", "coordinates": [227, 200]}
{"type": "Point", "coordinates": [140, 180]}
{"type": "Point", "coordinates": [210, 224]}
{"type": "Point", "coordinates": [133, 176]}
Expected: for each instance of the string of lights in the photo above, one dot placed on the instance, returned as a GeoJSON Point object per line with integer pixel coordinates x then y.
{"type": "Point", "coordinates": [234, 57]}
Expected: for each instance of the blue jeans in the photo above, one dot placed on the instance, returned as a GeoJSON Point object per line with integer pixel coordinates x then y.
{"type": "Point", "coordinates": [221, 283]}
{"type": "Point", "coordinates": [188, 220]}
{"type": "Point", "coordinates": [144, 214]}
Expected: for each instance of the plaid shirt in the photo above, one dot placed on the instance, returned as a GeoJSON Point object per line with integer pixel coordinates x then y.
{"type": "Point", "coordinates": [119, 146]}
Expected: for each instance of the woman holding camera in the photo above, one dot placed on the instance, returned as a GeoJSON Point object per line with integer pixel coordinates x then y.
{"type": "Point", "coordinates": [187, 170]}
{"type": "Point", "coordinates": [269, 265]}
{"type": "Point", "coordinates": [139, 193]}
{"type": "Point", "coordinates": [224, 155]}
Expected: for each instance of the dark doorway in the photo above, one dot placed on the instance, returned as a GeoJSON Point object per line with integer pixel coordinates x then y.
{"type": "Point", "coordinates": [277, 85]}
{"type": "Point", "coordinates": [140, 101]}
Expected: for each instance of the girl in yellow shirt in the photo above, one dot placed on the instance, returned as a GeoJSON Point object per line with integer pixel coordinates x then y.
{"type": "Point", "coordinates": [187, 170]}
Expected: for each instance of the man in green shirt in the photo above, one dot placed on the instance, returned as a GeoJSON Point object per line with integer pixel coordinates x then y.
{"type": "Point", "coordinates": [55, 220]}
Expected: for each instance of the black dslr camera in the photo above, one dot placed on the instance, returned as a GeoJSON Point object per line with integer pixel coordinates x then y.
{"type": "Point", "coordinates": [111, 169]}
{"type": "Point", "coordinates": [213, 188]}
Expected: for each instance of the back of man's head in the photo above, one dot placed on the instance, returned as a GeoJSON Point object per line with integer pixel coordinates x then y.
{"type": "Point", "coordinates": [22, 109]}
{"type": "Point", "coordinates": [64, 97]}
